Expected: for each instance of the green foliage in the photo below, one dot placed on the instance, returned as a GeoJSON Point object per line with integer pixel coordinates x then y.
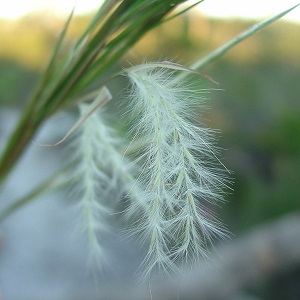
{"type": "Point", "coordinates": [259, 115]}
{"type": "Point", "coordinates": [16, 83]}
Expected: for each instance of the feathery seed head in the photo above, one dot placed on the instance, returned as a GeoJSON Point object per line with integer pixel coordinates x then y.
{"type": "Point", "coordinates": [179, 172]}
{"type": "Point", "coordinates": [101, 177]}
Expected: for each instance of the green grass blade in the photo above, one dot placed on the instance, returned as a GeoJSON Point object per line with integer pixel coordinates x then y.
{"type": "Point", "coordinates": [102, 13]}
{"type": "Point", "coordinates": [58, 45]}
{"type": "Point", "coordinates": [180, 12]}
{"type": "Point", "coordinates": [57, 181]}
{"type": "Point", "coordinates": [244, 35]}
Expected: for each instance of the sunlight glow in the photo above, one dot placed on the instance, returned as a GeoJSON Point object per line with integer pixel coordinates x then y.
{"type": "Point", "coordinates": [14, 9]}
{"type": "Point", "coordinates": [249, 9]}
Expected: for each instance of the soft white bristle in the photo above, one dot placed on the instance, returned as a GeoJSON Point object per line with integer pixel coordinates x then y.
{"type": "Point", "coordinates": [180, 172]}
{"type": "Point", "coordinates": [101, 178]}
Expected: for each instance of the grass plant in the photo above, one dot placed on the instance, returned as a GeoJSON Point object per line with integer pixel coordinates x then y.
{"type": "Point", "coordinates": [176, 174]}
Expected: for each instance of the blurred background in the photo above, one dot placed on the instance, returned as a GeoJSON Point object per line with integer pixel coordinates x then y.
{"type": "Point", "coordinates": [257, 112]}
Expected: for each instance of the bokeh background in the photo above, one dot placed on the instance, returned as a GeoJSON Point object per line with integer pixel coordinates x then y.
{"type": "Point", "coordinates": [257, 111]}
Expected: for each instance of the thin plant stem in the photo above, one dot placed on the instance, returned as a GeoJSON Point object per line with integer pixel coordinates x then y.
{"type": "Point", "coordinates": [57, 181]}
{"type": "Point", "coordinates": [200, 64]}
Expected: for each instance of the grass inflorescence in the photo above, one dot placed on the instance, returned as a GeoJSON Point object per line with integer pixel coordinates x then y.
{"type": "Point", "coordinates": [180, 172]}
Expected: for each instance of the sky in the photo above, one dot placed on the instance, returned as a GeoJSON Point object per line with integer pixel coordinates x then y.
{"type": "Point", "coordinates": [13, 9]}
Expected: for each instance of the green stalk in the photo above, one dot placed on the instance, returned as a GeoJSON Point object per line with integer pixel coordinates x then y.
{"type": "Point", "coordinates": [58, 180]}
{"type": "Point", "coordinates": [238, 39]}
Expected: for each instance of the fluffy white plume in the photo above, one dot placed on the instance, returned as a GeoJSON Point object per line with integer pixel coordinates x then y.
{"type": "Point", "coordinates": [101, 177]}
{"type": "Point", "coordinates": [181, 174]}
